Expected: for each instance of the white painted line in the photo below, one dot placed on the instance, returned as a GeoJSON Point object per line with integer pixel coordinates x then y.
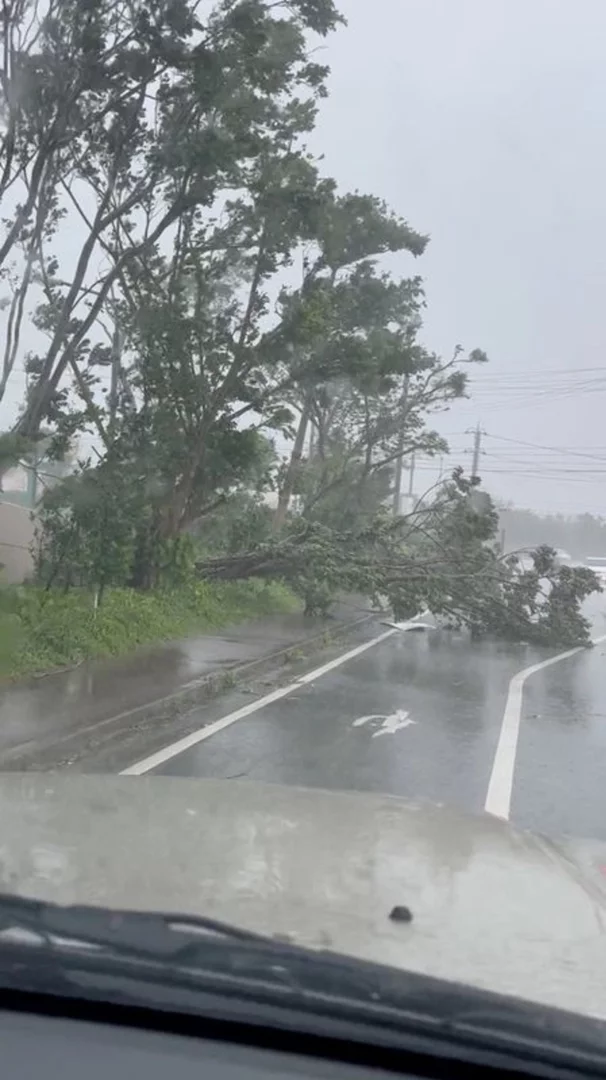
{"type": "Point", "coordinates": [154, 760]}
{"type": "Point", "coordinates": [498, 799]}
{"type": "Point", "coordinates": [410, 626]}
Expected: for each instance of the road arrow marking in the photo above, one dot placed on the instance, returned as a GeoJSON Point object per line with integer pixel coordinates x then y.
{"type": "Point", "coordinates": [389, 724]}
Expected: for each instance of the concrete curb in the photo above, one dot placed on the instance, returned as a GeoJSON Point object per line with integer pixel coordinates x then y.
{"type": "Point", "coordinates": [182, 700]}
{"type": "Point", "coordinates": [209, 686]}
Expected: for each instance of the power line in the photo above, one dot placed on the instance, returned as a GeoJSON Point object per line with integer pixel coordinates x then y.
{"type": "Point", "coordinates": [538, 446]}
{"type": "Point", "coordinates": [541, 374]}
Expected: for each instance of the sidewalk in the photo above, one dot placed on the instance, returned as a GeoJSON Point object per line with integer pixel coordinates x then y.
{"type": "Point", "coordinates": [57, 709]}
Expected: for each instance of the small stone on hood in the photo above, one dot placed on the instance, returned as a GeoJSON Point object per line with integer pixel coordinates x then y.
{"type": "Point", "coordinates": [400, 913]}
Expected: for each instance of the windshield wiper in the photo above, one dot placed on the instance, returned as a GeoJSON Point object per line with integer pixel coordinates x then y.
{"type": "Point", "coordinates": [172, 949]}
{"type": "Point", "coordinates": [161, 935]}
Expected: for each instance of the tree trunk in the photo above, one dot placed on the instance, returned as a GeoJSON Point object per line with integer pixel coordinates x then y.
{"type": "Point", "coordinates": [285, 493]}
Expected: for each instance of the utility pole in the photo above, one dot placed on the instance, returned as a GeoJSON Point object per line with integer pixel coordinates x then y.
{"type": "Point", "coordinates": [478, 500]}
{"type": "Point", "coordinates": [397, 491]}
{"type": "Point", "coordinates": [116, 363]}
{"type": "Point", "coordinates": [411, 475]}
{"type": "Point", "coordinates": [312, 439]}
{"type": "Point", "coordinates": [477, 448]}
{"type": "Point", "coordinates": [397, 483]}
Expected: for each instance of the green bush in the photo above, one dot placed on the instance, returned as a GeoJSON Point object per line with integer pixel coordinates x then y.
{"type": "Point", "coordinates": [42, 630]}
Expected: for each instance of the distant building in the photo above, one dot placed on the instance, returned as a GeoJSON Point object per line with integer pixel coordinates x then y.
{"type": "Point", "coordinates": [17, 531]}
{"type": "Point", "coordinates": [22, 488]}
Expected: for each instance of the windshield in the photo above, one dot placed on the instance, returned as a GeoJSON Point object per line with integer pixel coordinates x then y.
{"type": "Point", "coordinates": [301, 445]}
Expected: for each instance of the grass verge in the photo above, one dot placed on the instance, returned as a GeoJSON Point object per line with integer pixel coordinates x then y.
{"type": "Point", "coordinates": [41, 631]}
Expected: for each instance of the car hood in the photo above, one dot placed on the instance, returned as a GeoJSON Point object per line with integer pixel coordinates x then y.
{"type": "Point", "coordinates": [497, 908]}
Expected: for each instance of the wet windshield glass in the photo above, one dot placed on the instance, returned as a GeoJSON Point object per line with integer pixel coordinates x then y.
{"type": "Point", "coordinates": [301, 447]}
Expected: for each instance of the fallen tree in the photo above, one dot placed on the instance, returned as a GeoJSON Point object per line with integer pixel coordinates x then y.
{"type": "Point", "coordinates": [444, 556]}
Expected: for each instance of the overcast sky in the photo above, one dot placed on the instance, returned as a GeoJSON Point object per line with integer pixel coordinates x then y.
{"type": "Point", "coordinates": [484, 123]}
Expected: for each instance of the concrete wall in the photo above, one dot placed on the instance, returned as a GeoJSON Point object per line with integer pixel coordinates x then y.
{"type": "Point", "coordinates": [16, 535]}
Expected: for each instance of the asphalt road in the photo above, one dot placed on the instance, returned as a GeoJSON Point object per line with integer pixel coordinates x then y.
{"type": "Point", "coordinates": [427, 716]}
{"type": "Point", "coordinates": [560, 777]}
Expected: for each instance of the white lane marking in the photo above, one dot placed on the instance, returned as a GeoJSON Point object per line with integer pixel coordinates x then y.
{"type": "Point", "coordinates": [154, 760]}
{"type": "Point", "coordinates": [498, 798]}
{"type": "Point", "coordinates": [390, 724]}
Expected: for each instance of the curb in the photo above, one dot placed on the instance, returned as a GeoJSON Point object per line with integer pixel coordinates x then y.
{"type": "Point", "coordinates": [209, 686]}
{"type": "Point", "coordinates": [184, 699]}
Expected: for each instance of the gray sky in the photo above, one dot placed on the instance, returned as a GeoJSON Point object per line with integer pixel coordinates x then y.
{"type": "Point", "coordinates": [484, 123]}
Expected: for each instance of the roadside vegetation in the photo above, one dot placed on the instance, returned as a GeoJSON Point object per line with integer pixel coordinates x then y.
{"type": "Point", "coordinates": [223, 296]}
{"type": "Point", "coordinates": [41, 631]}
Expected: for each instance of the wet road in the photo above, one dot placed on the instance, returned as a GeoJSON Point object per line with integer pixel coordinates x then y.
{"type": "Point", "coordinates": [560, 778]}
{"type": "Point", "coordinates": [421, 715]}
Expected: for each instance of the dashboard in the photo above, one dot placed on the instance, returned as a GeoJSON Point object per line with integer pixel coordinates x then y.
{"type": "Point", "coordinates": [62, 1049]}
